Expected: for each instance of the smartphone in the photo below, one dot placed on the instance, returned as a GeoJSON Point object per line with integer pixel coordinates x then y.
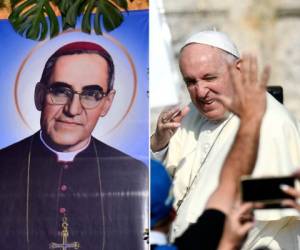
{"type": "Point", "coordinates": [266, 190]}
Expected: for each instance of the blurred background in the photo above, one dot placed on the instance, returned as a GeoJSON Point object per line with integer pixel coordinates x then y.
{"type": "Point", "coordinates": [268, 28]}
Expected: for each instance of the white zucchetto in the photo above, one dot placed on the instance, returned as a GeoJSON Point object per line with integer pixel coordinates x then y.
{"type": "Point", "coordinates": [214, 38]}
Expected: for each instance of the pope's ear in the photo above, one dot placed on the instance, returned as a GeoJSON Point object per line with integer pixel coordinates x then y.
{"type": "Point", "coordinates": [238, 64]}
{"type": "Point", "coordinates": [39, 95]}
{"type": "Point", "coordinates": [107, 102]}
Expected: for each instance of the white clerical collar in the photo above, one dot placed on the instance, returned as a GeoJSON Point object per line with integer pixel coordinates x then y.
{"type": "Point", "coordinates": [64, 156]}
{"type": "Point", "coordinates": [226, 117]}
{"type": "Point", "coordinates": [158, 238]}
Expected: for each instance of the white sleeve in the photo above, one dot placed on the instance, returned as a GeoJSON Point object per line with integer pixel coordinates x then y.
{"type": "Point", "coordinates": [160, 155]}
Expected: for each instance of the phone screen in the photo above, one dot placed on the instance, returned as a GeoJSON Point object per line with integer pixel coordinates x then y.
{"type": "Point", "coordinates": [266, 190]}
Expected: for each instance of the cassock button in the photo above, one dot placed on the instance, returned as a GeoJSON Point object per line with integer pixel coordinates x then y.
{"type": "Point", "coordinates": [63, 188]}
{"type": "Point", "coordinates": [62, 210]}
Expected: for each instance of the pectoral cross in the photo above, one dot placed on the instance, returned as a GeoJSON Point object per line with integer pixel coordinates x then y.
{"type": "Point", "coordinates": [64, 234]}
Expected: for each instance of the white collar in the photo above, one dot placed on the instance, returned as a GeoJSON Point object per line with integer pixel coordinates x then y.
{"type": "Point", "coordinates": [226, 117]}
{"type": "Point", "coordinates": [64, 156]}
{"type": "Point", "coordinates": [158, 238]}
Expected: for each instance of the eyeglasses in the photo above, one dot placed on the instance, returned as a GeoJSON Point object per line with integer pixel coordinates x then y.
{"type": "Point", "coordinates": [61, 94]}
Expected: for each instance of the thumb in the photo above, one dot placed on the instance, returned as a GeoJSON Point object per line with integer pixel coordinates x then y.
{"type": "Point", "coordinates": [246, 227]}
{"type": "Point", "coordinates": [225, 100]}
{"type": "Point", "coordinates": [183, 113]}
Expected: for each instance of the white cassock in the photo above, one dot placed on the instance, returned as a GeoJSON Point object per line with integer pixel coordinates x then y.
{"type": "Point", "coordinates": [195, 157]}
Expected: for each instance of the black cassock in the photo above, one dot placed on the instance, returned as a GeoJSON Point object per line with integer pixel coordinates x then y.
{"type": "Point", "coordinates": [104, 201]}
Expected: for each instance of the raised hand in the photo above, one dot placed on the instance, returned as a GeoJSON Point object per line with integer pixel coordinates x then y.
{"type": "Point", "coordinates": [168, 122]}
{"type": "Point", "coordinates": [237, 225]}
{"type": "Point", "coordinates": [292, 192]}
{"type": "Point", "coordinates": [249, 98]}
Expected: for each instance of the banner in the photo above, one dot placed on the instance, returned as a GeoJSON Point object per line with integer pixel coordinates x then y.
{"type": "Point", "coordinates": [21, 64]}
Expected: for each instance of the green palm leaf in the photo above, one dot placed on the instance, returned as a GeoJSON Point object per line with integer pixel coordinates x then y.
{"type": "Point", "coordinates": [67, 9]}
{"type": "Point", "coordinates": [112, 16]}
{"type": "Point", "coordinates": [86, 20]}
{"type": "Point", "coordinates": [105, 11]}
{"type": "Point", "coordinates": [122, 3]}
{"type": "Point", "coordinates": [29, 19]}
{"type": "Point", "coordinates": [14, 2]}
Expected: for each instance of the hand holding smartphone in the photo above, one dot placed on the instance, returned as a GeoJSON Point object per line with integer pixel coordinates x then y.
{"type": "Point", "coordinates": [266, 190]}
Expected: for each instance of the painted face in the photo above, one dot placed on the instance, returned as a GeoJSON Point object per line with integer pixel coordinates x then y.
{"type": "Point", "coordinates": [68, 127]}
{"type": "Point", "coordinates": [205, 72]}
